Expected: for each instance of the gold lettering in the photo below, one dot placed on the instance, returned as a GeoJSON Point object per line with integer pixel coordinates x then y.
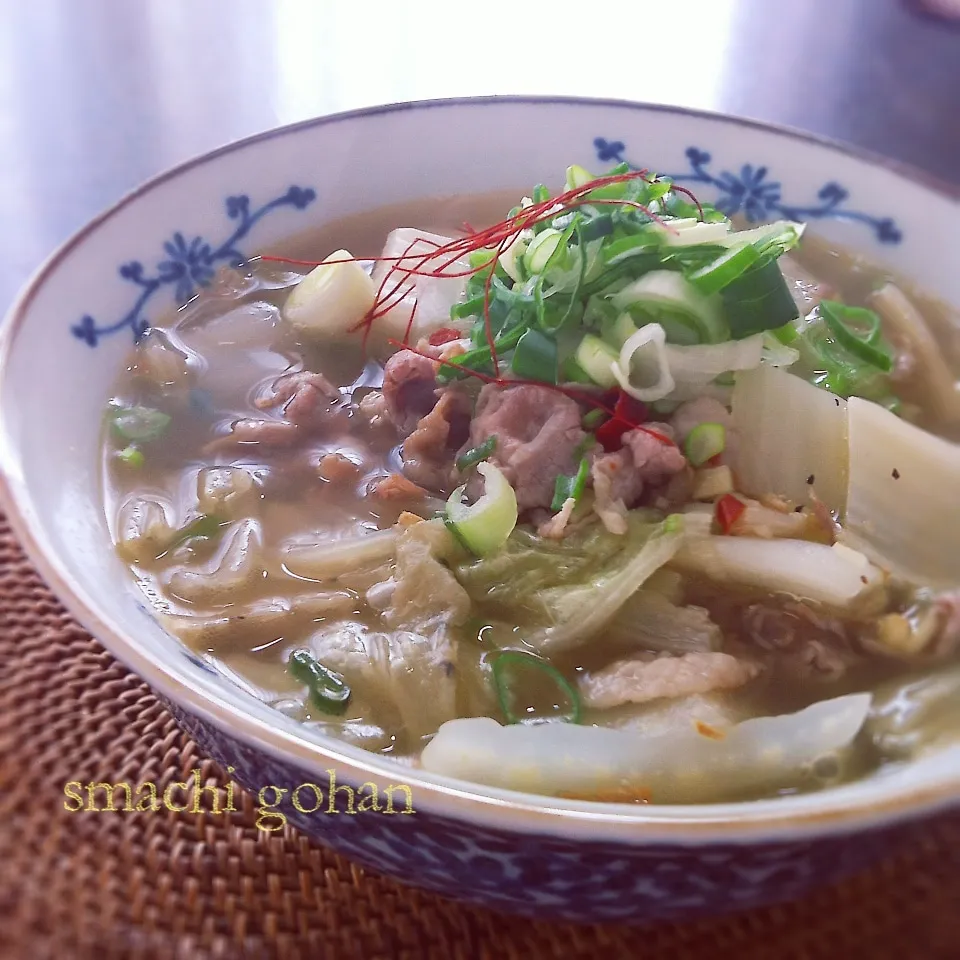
{"type": "Point", "coordinates": [371, 803]}
{"type": "Point", "coordinates": [317, 796]}
{"type": "Point", "coordinates": [73, 794]}
{"type": "Point", "coordinates": [198, 790]}
{"type": "Point", "coordinates": [230, 808]}
{"type": "Point", "coordinates": [407, 792]}
{"type": "Point", "coordinates": [109, 789]}
{"type": "Point", "coordinates": [333, 789]}
{"type": "Point", "coordinates": [267, 810]}
{"type": "Point", "coordinates": [154, 804]}
{"type": "Point", "coordinates": [168, 802]}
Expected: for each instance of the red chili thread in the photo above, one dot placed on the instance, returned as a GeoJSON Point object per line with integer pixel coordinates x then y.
{"type": "Point", "coordinates": [691, 195]}
{"type": "Point", "coordinates": [497, 238]}
{"type": "Point", "coordinates": [406, 333]}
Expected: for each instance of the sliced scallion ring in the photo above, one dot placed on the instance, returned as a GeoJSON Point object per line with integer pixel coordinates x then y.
{"type": "Point", "coordinates": [597, 360]}
{"type": "Point", "coordinates": [704, 442]}
{"type": "Point", "coordinates": [509, 665]}
{"type": "Point", "coordinates": [328, 690]}
{"type": "Point", "coordinates": [667, 292]}
{"type": "Point", "coordinates": [541, 249]}
{"type": "Point", "coordinates": [858, 331]}
{"type": "Point", "coordinates": [484, 526]}
{"type": "Point", "coordinates": [717, 274]}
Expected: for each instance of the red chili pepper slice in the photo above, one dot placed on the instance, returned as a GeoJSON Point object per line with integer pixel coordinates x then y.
{"type": "Point", "coordinates": [728, 510]}
{"type": "Point", "coordinates": [628, 414]}
{"type": "Point", "coordinates": [610, 434]}
{"type": "Point", "coordinates": [630, 409]}
{"type": "Point", "coordinates": [444, 335]}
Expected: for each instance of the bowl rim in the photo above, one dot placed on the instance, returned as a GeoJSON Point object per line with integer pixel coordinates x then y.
{"type": "Point", "coordinates": [446, 796]}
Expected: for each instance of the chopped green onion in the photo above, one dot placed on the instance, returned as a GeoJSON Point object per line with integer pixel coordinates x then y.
{"type": "Point", "coordinates": [509, 665]}
{"type": "Point", "coordinates": [578, 176]}
{"type": "Point", "coordinates": [469, 308]}
{"type": "Point", "coordinates": [593, 419]}
{"type": "Point", "coordinates": [664, 292]}
{"type": "Point", "coordinates": [481, 257]}
{"type": "Point", "coordinates": [205, 527]}
{"type": "Point", "coordinates": [476, 454]}
{"type": "Point", "coordinates": [329, 692]}
{"type": "Point", "coordinates": [485, 526]}
{"type": "Point", "coordinates": [566, 487]}
{"type": "Point", "coordinates": [535, 357]}
{"type": "Point", "coordinates": [786, 334]}
{"type": "Point", "coordinates": [758, 300]}
{"type": "Point", "coordinates": [716, 275]}
{"type": "Point", "coordinates": [540, 193]}
{"type": "Point", "coordinates": [625, 247]}
{"type": "Point", "coordinates": [455, 533]}
{"type": "Point", "coordinates": [137, 422]}
{"type": "Point", "coordinates": [618, 330]}
{"type": "Point", "coordinates": [704, 442]}
{"type": "Point", "coordinates": [131, 456]}
{"type": "Point", "coordinates": [597, 360]}
{"type": "Point", "coordinates": [478, 359]}
{"type": "Point", "coordinates": [595, 228]}
{"type": "Point", "coordinates": [857, 330]}
{"type": "Point", "coordinates": [541, 250]}
{"type": "Point", "coordinates": [572, 372]}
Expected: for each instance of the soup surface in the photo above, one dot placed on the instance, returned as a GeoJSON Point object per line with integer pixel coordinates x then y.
{"type": "Point", "coordinates": [612, 500]}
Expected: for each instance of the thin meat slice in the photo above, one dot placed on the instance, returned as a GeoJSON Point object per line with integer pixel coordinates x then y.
{"type": "Point", "coordinates": [269, 433]}
{"type": "Point", "coordinates": [337, 468]}
{"type": "Point", "coordinates": [397, 487]}
{"type": "Point", "coordinates": [640, 679]}
{"type": "Point", "coordinates": [615, 485]}
{"type": "Point", "coordinates": [619, 478]}
{"type": "Point", "coordinates": [539, 437]}
{"type": "Point", "coordinates": [409, 388]}
{"type": "Point", "coordinates": [305, 396]}
{"type": "Point", "coordinates": [428, 453]}
{"type": "Point", "coordinates": [798, 642]}
{"type": "Point", "coordinates": [655, 460]}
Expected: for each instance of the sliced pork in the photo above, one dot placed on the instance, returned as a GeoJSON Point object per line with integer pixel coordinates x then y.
{"type": "Point", "coordinates": [428, 453]}
{"type": "Point", "coordinates": [409, 388]}
{"type": "Point", "coordinates": [647, 677]}
{"type": "Point", "coordinates": [539, 437]}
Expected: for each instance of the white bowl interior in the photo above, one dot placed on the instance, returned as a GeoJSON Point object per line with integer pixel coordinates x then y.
{"type": "Point", "coordinates": [54, 385]}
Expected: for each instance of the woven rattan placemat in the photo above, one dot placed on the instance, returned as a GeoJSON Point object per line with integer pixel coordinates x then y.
{"type": "Point", "coordinates": [77, 885]}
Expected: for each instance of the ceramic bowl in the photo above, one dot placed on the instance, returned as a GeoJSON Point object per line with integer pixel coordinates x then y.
{"type": "Point", "coordinates": [72, 326]}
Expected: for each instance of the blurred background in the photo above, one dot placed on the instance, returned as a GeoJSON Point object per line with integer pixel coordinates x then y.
{"type": "Point", "coordinates": [97, 95]}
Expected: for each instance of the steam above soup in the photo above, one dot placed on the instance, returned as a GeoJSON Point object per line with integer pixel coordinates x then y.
{"type": "Point", "coordinates": [610, 500]}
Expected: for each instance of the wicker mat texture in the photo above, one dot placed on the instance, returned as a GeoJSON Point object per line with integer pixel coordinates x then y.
{"type": "Point", "coordinates": [196, 886]}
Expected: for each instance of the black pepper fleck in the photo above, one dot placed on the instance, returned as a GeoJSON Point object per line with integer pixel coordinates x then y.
{"type": "Point", "coordinates": [863, 579]}
{"type": "Point", "coordinates": [836, 400]}
{"type": "Point", "coordinates": [798, 509]}
{"type": "Point", "coordinates": [810, 480]}
{"type": "Point", "coordinates": [895, 474]}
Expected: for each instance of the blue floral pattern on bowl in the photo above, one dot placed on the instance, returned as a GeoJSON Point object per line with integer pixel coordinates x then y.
{"type": "Point", "coordinates": [753, 195]}
{"type": "Point", "coordinates": [188, 264]}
